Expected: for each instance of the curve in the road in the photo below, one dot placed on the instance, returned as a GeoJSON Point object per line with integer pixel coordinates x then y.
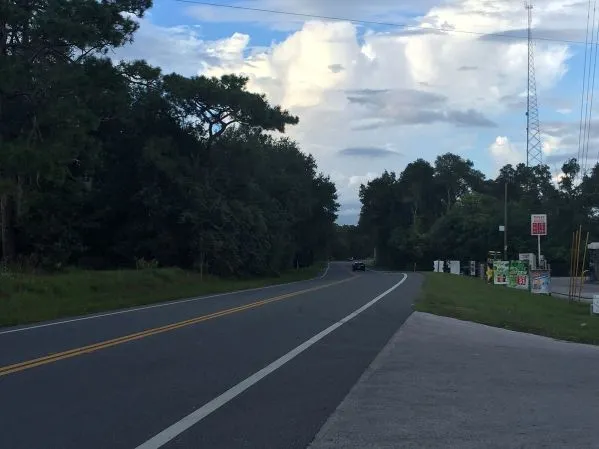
{"type": "Point", "coordinates": [125, 395]}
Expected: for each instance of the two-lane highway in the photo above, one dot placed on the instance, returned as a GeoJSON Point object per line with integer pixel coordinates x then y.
{"type": "Point", "coordinates": [255, 369]}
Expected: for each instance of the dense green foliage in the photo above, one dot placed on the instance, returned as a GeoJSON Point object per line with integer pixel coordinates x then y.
{"type": "Point", "coordinates": [103, 165]}
{"type": "Point", "coordinates": [349, 242]}
{"type": "Point", "coordinates": [29, 298]}
{"type": "Point", "coordinates": [449, 210]}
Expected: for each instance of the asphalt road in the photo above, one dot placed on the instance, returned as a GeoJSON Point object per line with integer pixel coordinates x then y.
{"type": "Point", "coordinates": [256, 369]}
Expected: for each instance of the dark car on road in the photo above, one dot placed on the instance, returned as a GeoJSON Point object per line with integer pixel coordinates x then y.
{"type": "Point", "coordinates": [358, 266]}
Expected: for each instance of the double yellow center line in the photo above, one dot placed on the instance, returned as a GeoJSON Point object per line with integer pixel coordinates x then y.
{"type": "Point", "coordinates": [10, 369]}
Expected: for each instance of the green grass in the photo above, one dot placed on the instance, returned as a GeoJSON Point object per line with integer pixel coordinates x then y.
{"type": "Point", "coordinates": [33, 298]}
{"type": "Point", "coordinates": [473, 300]}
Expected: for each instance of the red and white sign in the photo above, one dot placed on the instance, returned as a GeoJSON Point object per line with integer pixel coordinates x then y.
{"type": "Point", "coordinates": [538, 224]}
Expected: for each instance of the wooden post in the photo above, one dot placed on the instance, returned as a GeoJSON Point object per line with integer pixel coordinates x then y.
{"type": "Point", "coordinates": [577, 260]}
{"type": "Point", "coordinates": [584, 258]}
{"type": "Point", "coordinates": [571, 274]}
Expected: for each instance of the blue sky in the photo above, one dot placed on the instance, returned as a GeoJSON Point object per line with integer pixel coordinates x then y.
{"type": "Point", "coordinates": [170, 13]}
{"type": "Point", "coordinates": [452, 92]}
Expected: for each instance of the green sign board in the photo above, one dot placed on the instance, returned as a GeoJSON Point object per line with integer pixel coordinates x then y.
{"type": "Point", "coordinates": [518, 275]}
{"type": "Point", "coordinates": [501, 270]}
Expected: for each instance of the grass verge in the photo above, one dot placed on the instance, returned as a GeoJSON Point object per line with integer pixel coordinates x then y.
{"type": "Point", "coordinates": [473, 300]}
{"type": "Point", "coordinates": [33, 298]}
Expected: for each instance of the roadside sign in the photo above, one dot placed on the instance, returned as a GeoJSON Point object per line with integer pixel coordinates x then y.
{"type": "Point", "coordinates": [538, 224]}
{"type": "Point", "coordinates": [518, 276]}
{"type": "Point", "coordinates": [501, 270]}
{"type": "Point", "coordinates": [595, 305]}
{"type": "Point", "coordinates": [540, 282]}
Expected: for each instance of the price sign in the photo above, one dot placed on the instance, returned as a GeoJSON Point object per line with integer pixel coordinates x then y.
{"type": "Point", "coordinates": [538, 224]}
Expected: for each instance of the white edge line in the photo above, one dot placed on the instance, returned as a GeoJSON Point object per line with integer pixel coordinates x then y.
{"type": "Point", "coordinates": [326, 270]}
{"type": "Point", "coordinates": [193, 418]}
{"type": "Point", "coordinates": [162, 304]}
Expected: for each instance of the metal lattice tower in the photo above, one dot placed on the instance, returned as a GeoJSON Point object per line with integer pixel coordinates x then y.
{"type": "Point", "coordinates": [534, 146]}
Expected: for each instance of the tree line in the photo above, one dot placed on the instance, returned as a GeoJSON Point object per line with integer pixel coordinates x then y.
{"type": "Point", "coordinates": [450, 210]}
{"type": "Point", "coordinates": [105, 165]}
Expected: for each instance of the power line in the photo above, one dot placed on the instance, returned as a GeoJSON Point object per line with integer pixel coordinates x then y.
{"type": "Point", "coordinates": [376, 23]}
{"type": "Point", "coordinates": [592, 91]}
{"type": "Point", "coordinates": [584, 88]}
{"type": "Point", "coordinates": [588, 76]}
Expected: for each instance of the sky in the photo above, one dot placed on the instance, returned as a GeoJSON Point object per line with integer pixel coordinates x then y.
{"type": "Point", "coordinates": [403, 80]}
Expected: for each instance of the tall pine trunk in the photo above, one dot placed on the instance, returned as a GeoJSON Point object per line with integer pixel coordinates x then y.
{"type": "Point", "coordinates": [8, 235]}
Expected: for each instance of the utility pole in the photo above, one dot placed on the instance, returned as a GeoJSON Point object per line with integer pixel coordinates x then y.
{"type": "Point", "coordinates": [507, 178]}
{"type": "Point", "coordinates": [505, 223]}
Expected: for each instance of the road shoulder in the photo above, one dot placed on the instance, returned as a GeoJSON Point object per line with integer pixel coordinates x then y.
{"type": "Point", "coordinates": [73, 295]}
{"type": "Point", "coordinates": [444, 383]}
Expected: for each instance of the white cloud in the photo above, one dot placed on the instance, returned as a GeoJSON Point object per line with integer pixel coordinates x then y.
{"type": "Point", "coordinates": [570, 139]}
{"type": "Point", "coordinates": [557, 177]}
{"type": "Point", "coordinates": [181, 49]}
{"type": "Point", "coordinates": [505, 152]}
{"type": "Point", "coordinates": [390, 88]}
{"type": "Point", "coordinates": [551, 145]}
{"type": "Point", "coordinates": [358, 180]}
{"type": "Point", "coordinates": [349, 186]}
{"type": "Point", "coordinates": [345, 212]}
{"type": "Point", "coordinates": [416, 94]}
